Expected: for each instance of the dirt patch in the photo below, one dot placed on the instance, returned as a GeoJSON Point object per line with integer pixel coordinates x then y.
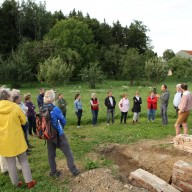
{"type": "Point", "coordinates": [155, 156]}
{"type": "Point", "coordinates": [101, 180]}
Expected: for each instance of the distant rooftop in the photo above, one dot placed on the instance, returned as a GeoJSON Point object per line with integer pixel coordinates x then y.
{"type": "Point", "coordinates": [188, 51]}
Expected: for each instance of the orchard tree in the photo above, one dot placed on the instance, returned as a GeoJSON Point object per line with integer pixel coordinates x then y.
{"type": "Point", "coordinates": [168, 54]}
{"type": "Point", "coordinates": [54, 71]}
{"type": "Point", "coordinates": [156, 70]}
{"type": "Point", "coordinates": [75, 35]}
{"type": "Point", "coordinates": [180, 67]}
{"type": "Point", "coordinates": [132, 65]}
{"type": "Point", "coordinates": [92, 74]}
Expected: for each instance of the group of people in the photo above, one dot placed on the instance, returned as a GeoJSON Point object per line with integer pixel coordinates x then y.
{"type": "Point", "coordinates": [182, 104]}
{"type": "Point", "coordinates": [14, 125]}
{"type": "Point", "coordinates": [18, 121]}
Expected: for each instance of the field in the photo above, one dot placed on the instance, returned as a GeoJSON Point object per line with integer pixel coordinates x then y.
{"type": "Point", "coordinates": [96, 147]}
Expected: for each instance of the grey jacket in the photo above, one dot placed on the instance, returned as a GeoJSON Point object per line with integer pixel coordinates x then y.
{"type": "Point", "coordinates": [165, 97]}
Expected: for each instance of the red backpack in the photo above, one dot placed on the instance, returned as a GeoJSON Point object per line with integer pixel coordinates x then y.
{"type": "Point", "coordinates": [44, 128]}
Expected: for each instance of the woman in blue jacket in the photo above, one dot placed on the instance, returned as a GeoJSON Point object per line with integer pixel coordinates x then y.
{"type": "Point", "coordinates": [58, 122]}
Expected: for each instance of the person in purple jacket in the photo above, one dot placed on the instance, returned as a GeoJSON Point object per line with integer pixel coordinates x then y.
{"type": "Point", "coordinates": [58, 122]}
{"type": "Point", "coordinates": [30, 114]}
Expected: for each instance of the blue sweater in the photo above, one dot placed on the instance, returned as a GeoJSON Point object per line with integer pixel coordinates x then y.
{"type": "Point", "coordinates": [58, 121]}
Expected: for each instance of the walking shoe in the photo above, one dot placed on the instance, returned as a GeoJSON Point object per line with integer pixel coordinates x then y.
{"type": "Point", "coordinates": [19, 184]}
{"type": "Point", "coordinates": [76, 172]}
{"type": "Point", "coordinates": [31, 184]}
{"type": "Point", "coordinates": [55, 174]}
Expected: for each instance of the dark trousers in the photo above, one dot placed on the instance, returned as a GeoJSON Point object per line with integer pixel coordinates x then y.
{"type": "Point", "coordinates": [32, 124]}
{"type": "Point", "coordinates": [110, 112]}
{"type": "Point", "coordinates": [79, 115]}
{"type": "Point", "coordinates": [64, 114]}
{"type": "Point", "coordinates": [25, 130]}
{"type": "Point", "coordinates": [65, 148]}
{"type": "Point", "coordinates": [94, 116]}
{"type": "Point", "coordinates": [123, 117]}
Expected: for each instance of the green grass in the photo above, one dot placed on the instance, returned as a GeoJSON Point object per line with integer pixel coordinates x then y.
{"type": "Point", "coordinates": [87, 139]}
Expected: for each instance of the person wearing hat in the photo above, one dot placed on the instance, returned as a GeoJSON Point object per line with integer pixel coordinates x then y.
{"type": "Point", "coordinates": [94, 108]}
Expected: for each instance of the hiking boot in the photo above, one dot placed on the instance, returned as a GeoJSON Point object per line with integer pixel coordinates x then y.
{"type": "Point", "coordinates": [55, 174]}
{"type": "Point", "coordinates": [31, 184]}
{"type": "Point", "coordinates": [76, 172]}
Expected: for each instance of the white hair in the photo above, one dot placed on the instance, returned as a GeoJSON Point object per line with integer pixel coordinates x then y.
{"type": "Point", "coordinates": [178, 85]}
{"type": "Point", "coordinates": [5, 94]}
{"type": "Point", "coordinates": [49, 96]}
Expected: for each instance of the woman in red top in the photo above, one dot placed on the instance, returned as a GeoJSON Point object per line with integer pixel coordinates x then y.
{"type": "Point", "coordinates": [152, 106]}
{"type": "Point", "coordinates": [94, 108]}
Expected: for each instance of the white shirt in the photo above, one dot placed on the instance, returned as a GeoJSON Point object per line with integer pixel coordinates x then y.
{"type": "Point", "coordinates": [177, 99]}
{"type": "Point", "coordinates": [111, 100]}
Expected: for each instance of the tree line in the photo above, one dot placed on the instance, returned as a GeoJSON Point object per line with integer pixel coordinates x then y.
{"type": "Point", "coordinates": [56, 48]}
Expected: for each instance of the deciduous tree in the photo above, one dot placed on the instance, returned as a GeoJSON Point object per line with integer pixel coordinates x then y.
{"type": "Point", "coordinates": [92, 74]}
{"type": "Point", "coordinates": [54, 71]}
{"type": "Point", "coordinates": [132, 65]}
{"type": "Point", "coordinates": [156, 70]}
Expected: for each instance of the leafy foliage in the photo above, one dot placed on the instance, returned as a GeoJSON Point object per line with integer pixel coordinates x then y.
{"type": "Point", "coordinates": [168, 54]}
{"type": "Point", "coordinates": [113, 57]}
{"type": "Point", "coordinates": [54, 71]}
{"type": "Point", "coordinates": [16, 69]}
{"type": "Point", "coordinates": [180, 67]}
{"type": "Point", "coordinates": [132, 65]}
{"type": "Point", "coordinates": [92, 74]}
{"type": "Point", "coordinates": [75, 35]}
{"type": "Point", "coordinates": [156, 70]}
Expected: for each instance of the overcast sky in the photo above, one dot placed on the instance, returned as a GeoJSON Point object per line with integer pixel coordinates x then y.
{"type": "Point", "coordinates": [169, 21]}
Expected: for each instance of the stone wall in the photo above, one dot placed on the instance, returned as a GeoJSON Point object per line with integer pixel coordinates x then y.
{"type": "Point", "coordinates": [150, 182]}
{"type": "Point", "coordinates": [183, 142]}
{"type": "Point", "coordinates": [182, 176]}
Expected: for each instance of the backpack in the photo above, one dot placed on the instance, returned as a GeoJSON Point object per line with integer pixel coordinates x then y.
{"type": "Point", "coordinates": [44, 128]}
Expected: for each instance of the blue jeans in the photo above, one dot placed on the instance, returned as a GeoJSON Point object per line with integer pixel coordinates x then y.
{"type": "Point", "coordinates": [151, 114]}
{"type": "Point", "coordinates": [94, 116]}
{"type": "Point", "coordinates": [164, 114]}
{"type": "Point", "coordinates": [110, 112]}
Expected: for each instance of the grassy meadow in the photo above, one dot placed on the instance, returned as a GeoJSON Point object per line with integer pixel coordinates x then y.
{"type": "Point", "coordinates": [88, 138]}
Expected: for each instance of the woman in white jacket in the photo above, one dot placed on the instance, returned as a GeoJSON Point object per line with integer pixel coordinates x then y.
{"type": "Point", "coordinates": [124, 108]}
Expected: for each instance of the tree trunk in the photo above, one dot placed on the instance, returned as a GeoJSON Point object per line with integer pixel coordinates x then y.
{"type": "Point", "coordinates": [92, 85]}
{"type": "Point", "coordinates": [131, 82]}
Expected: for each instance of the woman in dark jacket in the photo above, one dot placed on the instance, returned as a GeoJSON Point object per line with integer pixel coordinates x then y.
{"type": "Point", "coordinates": [137, 101]}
